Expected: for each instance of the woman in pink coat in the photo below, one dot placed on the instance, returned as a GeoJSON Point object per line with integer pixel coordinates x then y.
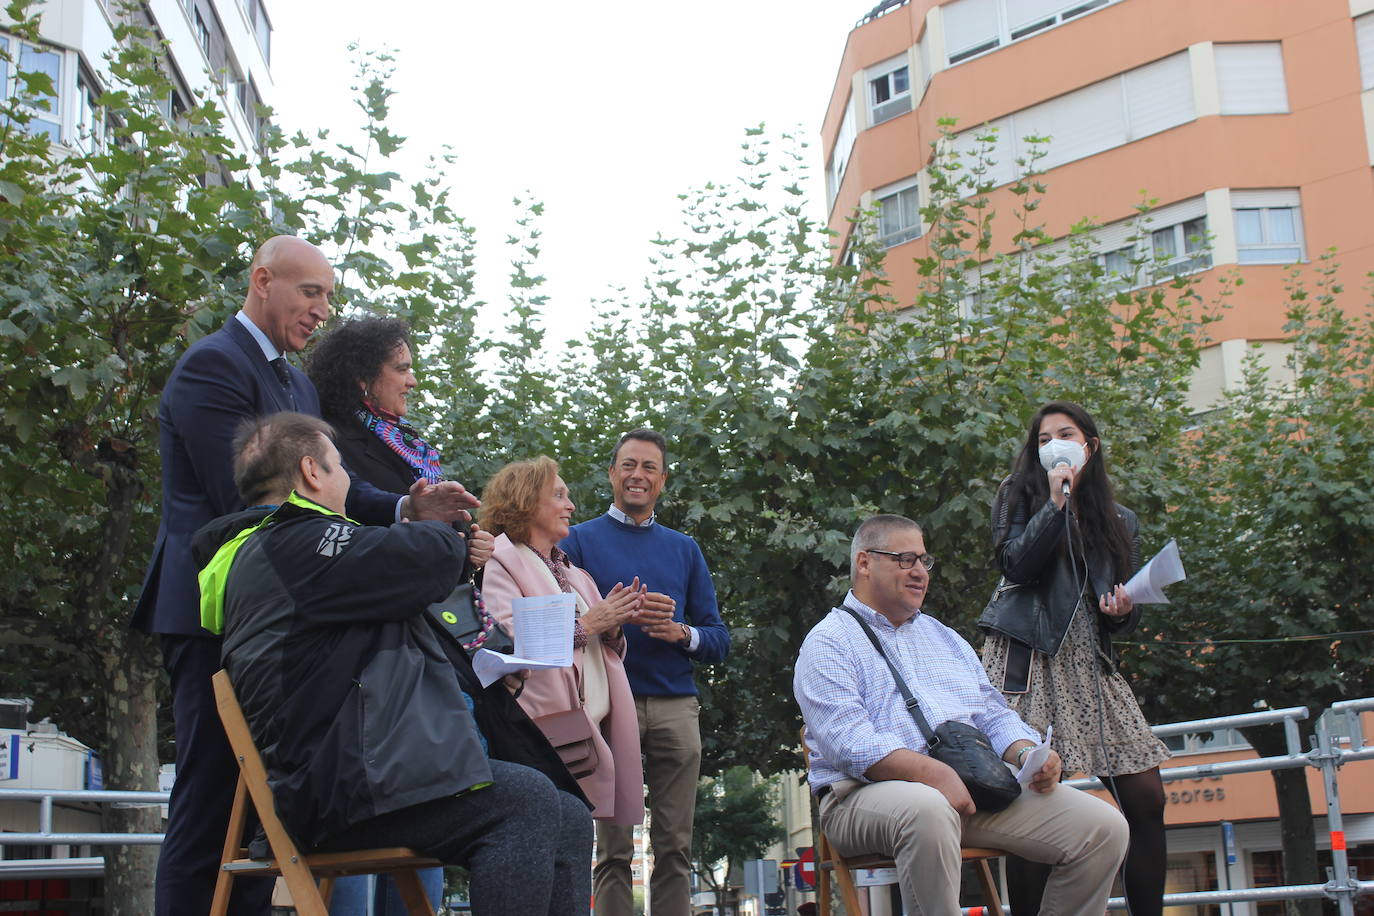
{"type": "Point", "coordinates": [526, 504]}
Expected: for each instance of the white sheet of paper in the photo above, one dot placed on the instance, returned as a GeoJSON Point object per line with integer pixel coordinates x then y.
{"type": "Point", "coordinates": [1035, 759]}
{"type": "Point", "coordinates": [491, 666]}
{"type": "Point", "coordinates": [1147, 586]}
{"type": "Point", "coordinates": [544, 628]}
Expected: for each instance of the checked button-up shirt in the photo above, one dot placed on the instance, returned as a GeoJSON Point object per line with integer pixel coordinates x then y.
{"type": "Point", "coordinates": [855, 715]}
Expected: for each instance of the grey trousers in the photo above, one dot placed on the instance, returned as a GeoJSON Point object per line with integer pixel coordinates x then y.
{"type": "Point", "coordinates": [671, 742]}
{"type": "Point", "coordinates": [525, 843]}
{"type": "Point", "coordinates": [1082, 837]}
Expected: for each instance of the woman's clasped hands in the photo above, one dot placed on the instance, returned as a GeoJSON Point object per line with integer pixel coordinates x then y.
{"type": "Point", "coordinates": [620, 605]}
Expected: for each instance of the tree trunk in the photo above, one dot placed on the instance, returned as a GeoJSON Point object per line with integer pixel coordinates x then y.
{"type": "Point", "coordinates": [130, 668]}
{"type": "Point", "coordinates": [1297, 832]}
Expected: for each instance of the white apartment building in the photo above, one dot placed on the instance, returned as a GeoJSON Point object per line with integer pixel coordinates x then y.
{"type": "Point", "coordinates": [218, 49]}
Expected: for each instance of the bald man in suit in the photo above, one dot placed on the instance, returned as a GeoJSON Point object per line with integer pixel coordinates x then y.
{"type": "Point", "coordinates": [237, 372]}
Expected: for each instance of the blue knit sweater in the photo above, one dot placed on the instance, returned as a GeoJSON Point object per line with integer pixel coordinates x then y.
{"type": "Point", "coordinates": [666, 561]}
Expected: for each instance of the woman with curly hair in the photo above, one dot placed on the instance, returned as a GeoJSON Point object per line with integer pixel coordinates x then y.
{"type": "Point", "coordinates": [363, 371]}
{"type": "Point", "coordinates": [1064, 547]}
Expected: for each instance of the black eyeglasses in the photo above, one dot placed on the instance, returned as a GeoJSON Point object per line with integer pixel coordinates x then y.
{"type": "Point", "coordinates": [907, 560]}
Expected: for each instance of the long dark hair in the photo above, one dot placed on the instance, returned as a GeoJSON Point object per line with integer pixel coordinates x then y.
{"type": "Point", "coordinates": [1094, 503]}
{"type": "Point", "coordinates": [351, 352]}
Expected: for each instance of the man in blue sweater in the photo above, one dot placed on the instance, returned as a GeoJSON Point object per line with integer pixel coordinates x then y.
{"type": "Point", "coordinates": [679, 625]}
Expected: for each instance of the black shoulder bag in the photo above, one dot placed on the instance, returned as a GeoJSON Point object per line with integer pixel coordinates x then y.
{"type": "Point", "coordinates": [958, 745]}
{"type": "Point", "coordinates": [464, 617]}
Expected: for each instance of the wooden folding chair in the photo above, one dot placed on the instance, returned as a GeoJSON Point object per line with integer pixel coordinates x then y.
{"type": "Point", "coordinates": [299, 870]}
{"type": "Point", "coordinates": [829, 862]}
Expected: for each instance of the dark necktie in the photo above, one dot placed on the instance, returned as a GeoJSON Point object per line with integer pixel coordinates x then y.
{"type": "Point", "coordinates": [284, 376]}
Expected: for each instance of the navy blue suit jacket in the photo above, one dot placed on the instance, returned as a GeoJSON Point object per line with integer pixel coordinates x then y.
{"type": "Point", "coordinates": [218, 382]}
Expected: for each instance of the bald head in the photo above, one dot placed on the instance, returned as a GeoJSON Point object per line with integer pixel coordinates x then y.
{"type": "Point", "coordinates": [289, 287]}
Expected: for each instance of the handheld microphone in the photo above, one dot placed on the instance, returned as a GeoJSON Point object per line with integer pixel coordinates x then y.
{"type": "Point", "coordinates": [1065, 462]}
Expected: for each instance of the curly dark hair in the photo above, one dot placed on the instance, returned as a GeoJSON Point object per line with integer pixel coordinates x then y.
{"type": "Point", "coordinates": [351, 352]}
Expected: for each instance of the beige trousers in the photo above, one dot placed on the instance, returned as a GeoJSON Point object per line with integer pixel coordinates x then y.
{"type": "Point", "coordinates": [671, 743]}
{"type": "Point", "coordinates": [1082, 837]}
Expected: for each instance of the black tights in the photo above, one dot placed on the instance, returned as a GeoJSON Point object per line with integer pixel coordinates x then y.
{"type": "Point", "coordinates": [1141, 799]}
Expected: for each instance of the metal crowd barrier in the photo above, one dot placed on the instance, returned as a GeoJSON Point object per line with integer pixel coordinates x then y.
{"type": "Point", "coordinates": [1326, 754]}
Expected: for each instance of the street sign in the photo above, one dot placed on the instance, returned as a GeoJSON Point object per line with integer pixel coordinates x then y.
{"type": "Point", "coordinates": [806, 867]}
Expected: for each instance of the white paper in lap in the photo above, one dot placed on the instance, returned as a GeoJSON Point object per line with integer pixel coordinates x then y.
{"type": "Point", "coordinates": [544, 628]}
{"type": "Point", "coordinates": [1035, 759]}
{"type": "Point", "coordinates": [491, 666]}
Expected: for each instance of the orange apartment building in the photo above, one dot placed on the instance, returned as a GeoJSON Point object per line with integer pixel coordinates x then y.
{"type": "Point", "coordinates": [1250, 122]}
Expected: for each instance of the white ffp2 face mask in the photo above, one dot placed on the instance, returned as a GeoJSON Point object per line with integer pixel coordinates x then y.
{"type": "Point", "coordinates": [1058, 451]}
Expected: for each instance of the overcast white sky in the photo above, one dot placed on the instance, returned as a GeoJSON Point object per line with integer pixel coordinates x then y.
{"type": "Point", "coordinates": [605, 111]}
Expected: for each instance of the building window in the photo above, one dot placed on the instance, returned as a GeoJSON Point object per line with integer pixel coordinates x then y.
{"type": "Point", "coordinates": [1119, 267]}
{"type": "Point", "coordinates": [210, 36]}
{"type": "Point", "coordinates": [250, 111]}
{"type": "Point", "coordinates": [1250, 78]}
{"type": "Point", "coordinates": [889, 90]}
{"type": "Point", "coordinates": [899, 214]}
{"type": "Point", "coordinates": [844, 145]}
{"type": "Point", "coordinates": [262, 26]}
{"type": "Point", "coordinates": [1181, 248]}
{"type": "Point", "coordinates": [202, 30]}
{"type": "Point", "coordinates": [1268, 235]}
{"type": "Point", "coordinates": [44, 108]}
{"type": "Point", "coordinates": [1364, 43]}
{"type": "Point", "coordinates": [974, 27]}
{"type": "Point", "coordinates": [90, 118]}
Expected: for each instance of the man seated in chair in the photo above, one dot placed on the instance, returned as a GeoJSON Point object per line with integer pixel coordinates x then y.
{"type": "Point", "coordinates": [879, 791]}
{"type": "Point", "coordinates": [373, 730]}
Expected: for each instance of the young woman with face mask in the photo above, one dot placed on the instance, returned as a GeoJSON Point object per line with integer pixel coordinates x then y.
{"type": "Point", "coordinates": [1064, 548]}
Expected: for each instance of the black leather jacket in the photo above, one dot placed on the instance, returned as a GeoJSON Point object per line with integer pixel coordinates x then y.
{"type": "Point", "coordinates": [1034, 602]}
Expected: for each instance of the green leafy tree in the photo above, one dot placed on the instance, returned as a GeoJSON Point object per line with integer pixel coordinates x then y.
{"type": "Point", "coordinates": [799, 396]}
{"type": "Point", "coordinates": [734, 823]}
{"type": "Point", "coordinates": [1279, 542]}
{"type": "Point", "coordinates": [111, 259]}
{"type": "Point", "coordinates": [114, 260]}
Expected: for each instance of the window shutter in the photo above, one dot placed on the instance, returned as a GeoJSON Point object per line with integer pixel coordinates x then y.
{"type": "Point", "coordinates": [1364, 43]}
{"type": "Point", "coordinates": [923, 49]}
{"type": "Point", "coordinates": [1159, 96]}
{"type": "Point", "coordinates": [1079, 124]}
{"type": "Point", "coordinates": [1023, 13]}
{"type": "Point", "coordinates": [1002, 153]}
{"type": "Point", "coordinates": [969, 24]}
{"type": "Point", "coordinates": [1269, 197]}
{"type": "Point", "coordinates": [1250, 78]}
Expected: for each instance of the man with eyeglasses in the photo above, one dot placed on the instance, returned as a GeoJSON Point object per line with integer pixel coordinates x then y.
{"type": "Point", "coordinates": [878, 789]}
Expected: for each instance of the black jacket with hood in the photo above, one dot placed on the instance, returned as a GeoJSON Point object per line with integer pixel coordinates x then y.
{"type": "Point", "coordinates": [352, 696]}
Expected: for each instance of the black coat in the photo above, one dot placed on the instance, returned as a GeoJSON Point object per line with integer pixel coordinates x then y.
{"type": "Point", "coordinates": [352, 696]}
{"type": "Point", "coordinates": [1034, 603]}
{"type": "Point", "coordinates": [370, 458]}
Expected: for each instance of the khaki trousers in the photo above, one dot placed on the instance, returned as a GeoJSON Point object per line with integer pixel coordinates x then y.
{"type": "Point", "coordinates": [671, 743]}
{"type": "Point", "coordinates": [1082, 837]}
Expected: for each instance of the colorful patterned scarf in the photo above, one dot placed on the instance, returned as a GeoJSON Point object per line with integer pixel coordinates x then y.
{"type": "Point", "coordinates": [403, 440]}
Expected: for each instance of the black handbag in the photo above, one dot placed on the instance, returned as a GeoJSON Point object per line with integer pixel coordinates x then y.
{"type": "Point", "coordinates": [464, 617]}
{"type": "Point", "coordinates": [960, 746]}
